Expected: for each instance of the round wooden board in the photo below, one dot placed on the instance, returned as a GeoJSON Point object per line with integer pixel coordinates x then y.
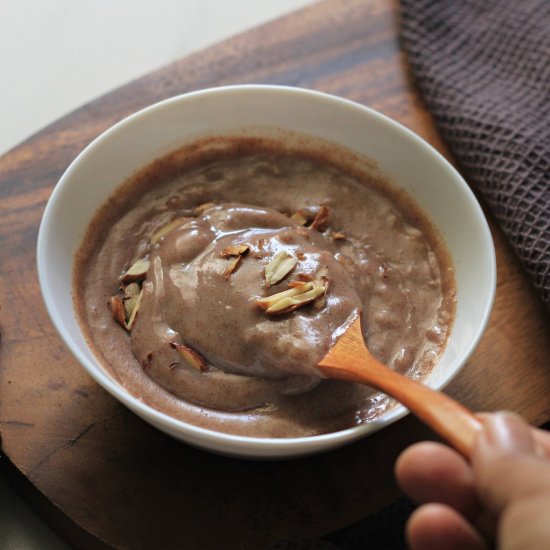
{"type": "Point", "coordinates": [104, 477]}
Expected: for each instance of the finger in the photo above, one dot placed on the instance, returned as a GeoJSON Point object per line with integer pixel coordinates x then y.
{"type": "Point", "coordinates": [523, 525]}
{"type": "Point", "coordinates": [542, 440]}
{"type": "Point", "coordinates": [542, 437]}
{"type": "Point", "coordinates": [436, 526]}
{"type": "Point", "coordinates": [507, 462]}
{"type": "Point", "coordinates": [432, 472]}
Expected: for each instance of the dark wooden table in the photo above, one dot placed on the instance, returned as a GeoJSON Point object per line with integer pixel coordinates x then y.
{"type": "Point", "coordinates": [100, 475]}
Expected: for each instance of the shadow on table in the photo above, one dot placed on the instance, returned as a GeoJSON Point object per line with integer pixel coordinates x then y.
{"type": "Point", "coordinates": [383, 530]}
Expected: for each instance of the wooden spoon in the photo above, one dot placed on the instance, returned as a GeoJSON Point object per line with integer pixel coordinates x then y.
{"type": "Point", "coordinates": [349, 359]}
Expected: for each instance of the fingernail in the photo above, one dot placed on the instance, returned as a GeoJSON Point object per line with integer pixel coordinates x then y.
{"type": "Point", "coordinates": [507, 432]}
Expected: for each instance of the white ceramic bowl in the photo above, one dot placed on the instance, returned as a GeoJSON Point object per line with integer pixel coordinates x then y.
{"type": "Point", "coordinates": [139, 139]}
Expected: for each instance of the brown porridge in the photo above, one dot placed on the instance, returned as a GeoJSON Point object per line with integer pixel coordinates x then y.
{"type": "Point", "coordinates": [233, 269]}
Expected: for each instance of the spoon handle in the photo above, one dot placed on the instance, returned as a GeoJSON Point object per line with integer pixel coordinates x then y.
{"type": "Point", "coordinates": [351, 360]}
{"type": "Point", "coordinates": [449, 419]}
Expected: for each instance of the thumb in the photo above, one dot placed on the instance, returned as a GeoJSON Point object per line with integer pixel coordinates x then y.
{"type": "Point", "coordinates": [508, 464]}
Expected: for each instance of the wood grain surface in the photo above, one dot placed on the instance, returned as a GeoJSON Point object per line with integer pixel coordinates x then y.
{"type": "Point", "coordinates": [107, 479]}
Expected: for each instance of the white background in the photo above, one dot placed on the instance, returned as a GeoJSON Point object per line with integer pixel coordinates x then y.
{"type": "Point", "coordinates": [56, 55]}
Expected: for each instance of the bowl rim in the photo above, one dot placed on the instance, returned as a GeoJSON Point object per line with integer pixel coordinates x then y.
{"type": "Point", "coordinates": [250, 445]}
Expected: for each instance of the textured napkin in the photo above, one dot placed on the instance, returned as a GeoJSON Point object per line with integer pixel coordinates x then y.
{"type": "Point", "coordinates": [483, 67]}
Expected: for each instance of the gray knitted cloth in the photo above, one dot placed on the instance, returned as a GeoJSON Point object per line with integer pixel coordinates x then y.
{"type": "Point", "coordinates": [483, 67]}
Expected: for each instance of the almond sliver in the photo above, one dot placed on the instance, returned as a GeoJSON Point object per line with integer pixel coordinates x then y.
{"type": "Point", "coordinates": [235, 250]}
{"type": "Point", "coordinates": [117, 309]}
{"type": "Point", "coordinates": [136, 272]}
{"type": "Point", "coordinates": [135, 310]}
{"type": "Point", "coordinates": [191, 357]}
{"type": "Point", "coordinates": [268, 301]}
{"type": "Point", "coordinates": [299, 218]}
{"type": "Point", "coordinates": [232, 266]}
{"type": "Point", "coordinates": [279, 267]}
{"type": "Point", "coordinates": [321, 219]}
{"type": "Point", "coordinates": [292, 302]}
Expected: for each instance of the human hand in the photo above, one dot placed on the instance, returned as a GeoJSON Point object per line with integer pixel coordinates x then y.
{"type": "Point", "coordinates": [502, 495]}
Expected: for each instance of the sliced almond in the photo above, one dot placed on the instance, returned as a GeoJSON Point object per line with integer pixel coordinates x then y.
{"type": "Point", "coordinates": [279, 267]}
{"type": "Point", "coordinates": [338, 236]}
{"type": "Point", "coordinates": [133, 315]}
{"type": "Point", "coordinates": [268, 301]}
{"type": "Point", "coordinates": [321, 219]}
{"type": "Point", "coordinates": [202, 208]}
{"type": "Point", "coordinates": [301, 292]}
{"type": "Point", "coordinates": [305, 215]}
{"type": "Point", "coordinates": [290, 303]}
{"type": "Point", "coordinates": [117, 309]}
{"type": "Point", "coordinates": [299, 217]}
{"type": "Point", "coordinates": [296, 284]}
{"type": "Point", "coordinates": [165, 229]}
{"type": "Point", "coordinates": [235, 250]}
{"type": "Point", "coordinates": [321, 279]}
{"type": "Point", "coordinates": [130, 299]}
{"type": "Point", "coordinates": [191, 357]}
{"type": "Point", "coordinates": [232, 266]}
{"type": "Point", "coordinates": [132, 289]}
{"type": "Point", "coordinates": [130, 303]}
{"type": "Point", "coordinates": [136, 272]}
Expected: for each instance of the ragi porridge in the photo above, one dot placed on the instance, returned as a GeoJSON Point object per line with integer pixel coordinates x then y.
{"type": "Point", "coordinates": [217, 277]}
